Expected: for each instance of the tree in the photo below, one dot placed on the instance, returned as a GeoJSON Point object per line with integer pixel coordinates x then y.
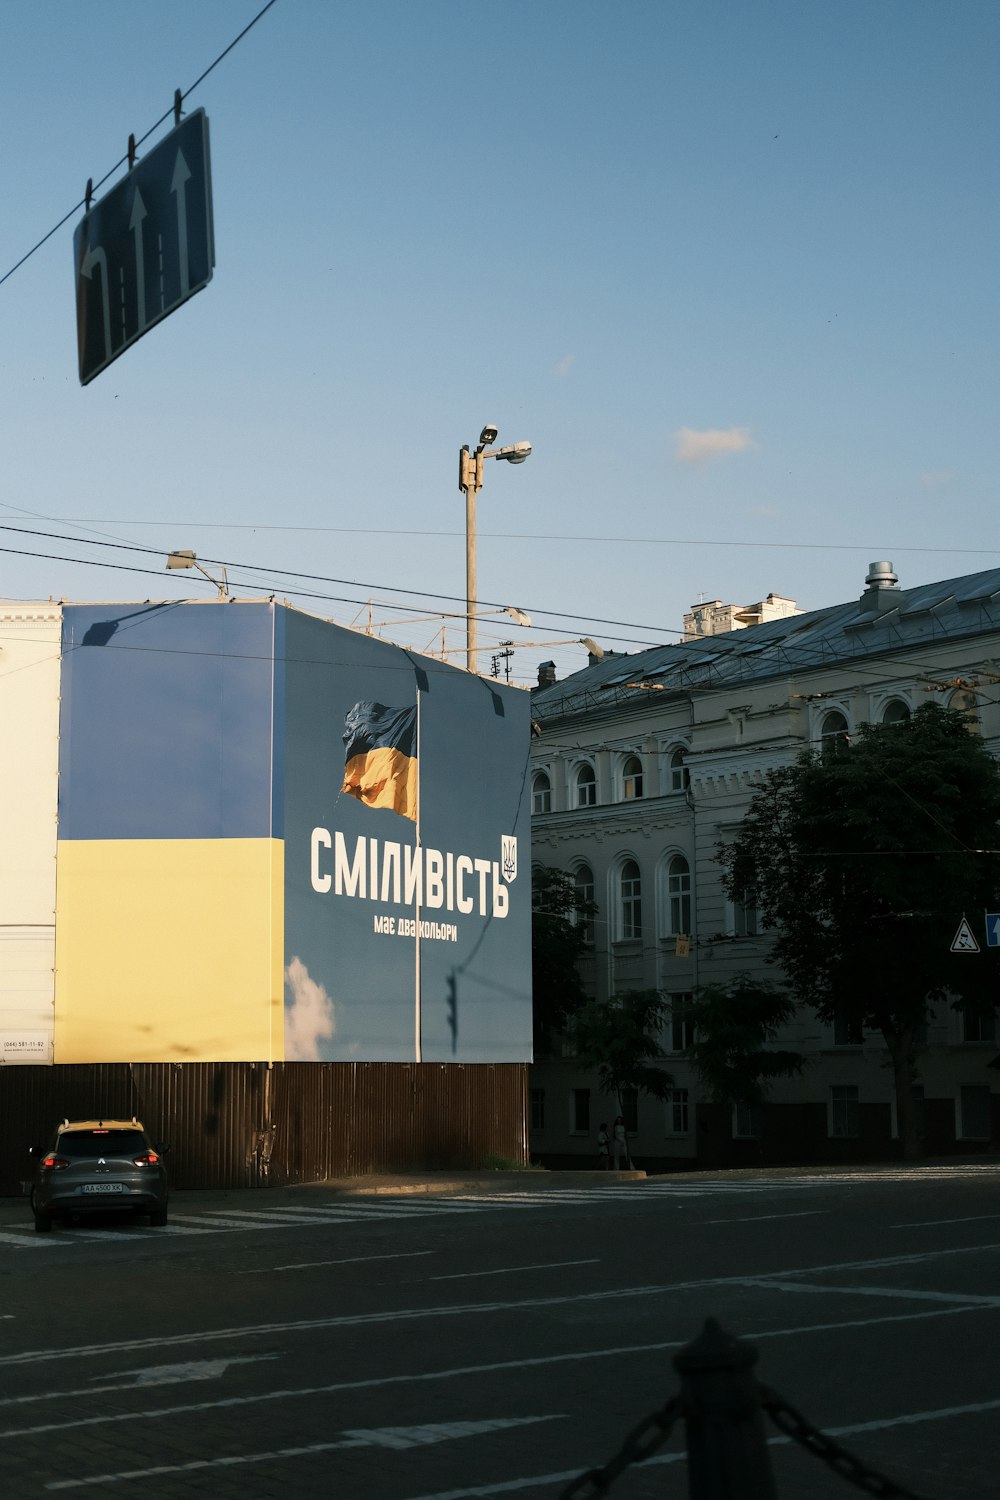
{"type": "Point", "coordinates": [619, 1038]}
{"type": "Point", "coordinates": [558, 937]}
{"type": "Point", "coordinates": [863, 859]}
{"type": "Point", "coordinates": [734, 1025]}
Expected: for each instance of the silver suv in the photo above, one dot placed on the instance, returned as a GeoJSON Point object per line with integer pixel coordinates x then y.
{"type": "Point", "coordinates": [99, 1166]}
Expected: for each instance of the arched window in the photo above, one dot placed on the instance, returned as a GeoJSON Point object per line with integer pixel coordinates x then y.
{"type": "Point", "coordinates": [678, 896]}
{"type": "Point", "coordinates": [586, 786]}
{"type": "Point", "coordinates": [896, 712]}
{"type": "Point", "coordinates": [632, 777]}
{"type": "Point", "coordinates": [680, 776]}
{"type": "Point", "coordinates": [833, 732]}
{"type": "Point", "coordinates": [630, 888]}
{"type": "Point", "coordinates": [541, 792]}
{"type": "Point", "coordinates": [583, 889]}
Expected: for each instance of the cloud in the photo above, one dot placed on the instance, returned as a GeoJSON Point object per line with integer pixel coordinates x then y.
{"type": "Point", "coordinates": [936, 479]}
{"type": "Point", "coordinates": [562, 369]}
{"type": "Point", "coordinates": [309, 1017]}
{"type": "Point", "coordinates": [699, 447]}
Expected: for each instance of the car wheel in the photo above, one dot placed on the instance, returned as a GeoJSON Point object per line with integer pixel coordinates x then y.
{"type": "Point", "coordinates": [158, 1217]}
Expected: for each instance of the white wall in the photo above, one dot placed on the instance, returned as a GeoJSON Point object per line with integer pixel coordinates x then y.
{"type": "Point", "coordinates": [29, 763]}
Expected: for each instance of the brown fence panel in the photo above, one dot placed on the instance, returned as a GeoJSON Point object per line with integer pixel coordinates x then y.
{"type": "Point", "coordinates": [251, 1124]}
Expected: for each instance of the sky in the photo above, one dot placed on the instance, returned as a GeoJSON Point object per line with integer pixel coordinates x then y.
{"type": "Point", "coordinates": [728, 265]}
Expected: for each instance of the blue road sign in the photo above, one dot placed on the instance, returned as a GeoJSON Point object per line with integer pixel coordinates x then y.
{"type": "Point", "coordinates": [145, 247]}
{"type": "Point", "coordinates": [993, 929]}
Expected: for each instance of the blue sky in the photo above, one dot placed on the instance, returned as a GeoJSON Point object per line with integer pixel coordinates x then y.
{"type": "Point", "coordinates": [730, 267]}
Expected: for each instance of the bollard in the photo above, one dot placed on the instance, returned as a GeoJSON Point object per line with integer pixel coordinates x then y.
{"type": "Point", "coordinates": [720, 1399]}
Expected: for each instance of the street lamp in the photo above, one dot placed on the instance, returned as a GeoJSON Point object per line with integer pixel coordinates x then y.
{"type": "Point", "coordinates": [470, 481]}
{"type": "Point", "coordinates": [190, 560]}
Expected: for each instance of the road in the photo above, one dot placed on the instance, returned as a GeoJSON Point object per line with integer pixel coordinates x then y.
{"type": "Point", "coordinates": [498, 1340]}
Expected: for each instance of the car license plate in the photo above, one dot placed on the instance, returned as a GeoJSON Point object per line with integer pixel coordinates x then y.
{"type": "Point", "coordinates": [104, 1187]}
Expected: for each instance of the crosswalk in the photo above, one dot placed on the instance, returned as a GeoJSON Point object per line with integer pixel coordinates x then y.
{"type": "Point", "coordinates": [186, 1222]}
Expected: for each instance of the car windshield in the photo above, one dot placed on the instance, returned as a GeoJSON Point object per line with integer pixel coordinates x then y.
{"type": "Point", "coordinates": [101, 1143]}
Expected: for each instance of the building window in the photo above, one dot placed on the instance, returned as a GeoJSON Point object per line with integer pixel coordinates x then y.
{"type": "Point", "coordinates": [747, 1121]}
{"type": "Point", "coordinates": [979, 1025]}
{"type": "Point", "coordinates": [846, 1028]}
{"type": "Point", "coordinates": [538, 1109]}
{"type": "Point", "coordinates": [632, 777]}
{"type": "Point", "coordinates": [586, 787]}
{"type": "Point", "coordinates": [833, 731]}
{"type": "Point", "coordinates": [681, 1030]}
{"type": "Point", "coordinates": [541, 793]}
{"type": "Point", "coordinates": [677, 1112]}
{"type": "Point", "coordinates": [630, 1110]}
{"type": "Point", "coordinates": [583, 890]}
{"type": "Point", "coordinates": [844, 1109]}
{"type": "Point", "coordinates": [745, 922]}
{"type": "Point", "coordinates": [974, 1110]}
{"type": "Point", "coordinates": [581, 1111]}
{"type": "Point", "coordinates": [678, 896]}
{"type": "Point", "coordinates": [630, 882]}
{"type": "Point", "coordinates": [896, 712]}
{"type": "Point", "coordinates": [680, 776]}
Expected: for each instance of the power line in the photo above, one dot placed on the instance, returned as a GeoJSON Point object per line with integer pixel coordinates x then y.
{"type": "Point", "coordinates": [82, 203]}
{"type": "Point", "coordinates": [864, 549]}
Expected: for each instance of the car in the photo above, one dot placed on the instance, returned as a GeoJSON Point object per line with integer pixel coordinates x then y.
{"type": "Point", "coordinates": [99, 1166]}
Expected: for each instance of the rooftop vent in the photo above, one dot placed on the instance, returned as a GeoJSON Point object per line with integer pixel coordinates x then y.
{"type": "Point", "coordinates": [881, 588]}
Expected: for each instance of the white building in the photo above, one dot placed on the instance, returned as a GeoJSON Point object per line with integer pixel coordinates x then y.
{"type": "Point", "coordinates": [646, 763]}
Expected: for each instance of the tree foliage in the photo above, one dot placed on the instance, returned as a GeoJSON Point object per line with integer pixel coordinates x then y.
{"type": "Point", "coordinates": [863, 859]}
{"type": "Point", "coordinates": [619, 1038]}
{"type": "Point", "coordinates": [734, 1026]}
{"type": "Point", "coordinates": [558, 939]}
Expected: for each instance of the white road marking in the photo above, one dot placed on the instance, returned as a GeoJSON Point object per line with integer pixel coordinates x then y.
{"type": "Point", "coordinates": [21, 1239]}
{"type": "Point", "coordinates": [346, 1260]}
{"type": "Point", "coordinates": [564, 1476]}
{"type": "Point", "coordinates": [469, 1309]}
{"type": "Point", "coordinates": [825, 1288]}
{"type": "Point", "coordinates": [195, 1369]}
{"type": "Point", "coordinates": [512, 1270]}
{"type": "Point", "coordinates": [425, 1377]}
{"type": "Point", "coordinates": [805, 1213]}
{"type": "Point", "coordinates": [933, 1223]}
{"type": "Point", "coordinates": [362, 1437]}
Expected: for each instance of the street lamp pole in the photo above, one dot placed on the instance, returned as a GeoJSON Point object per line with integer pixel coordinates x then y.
{"type": "Point", "coordinates": [470, 482]}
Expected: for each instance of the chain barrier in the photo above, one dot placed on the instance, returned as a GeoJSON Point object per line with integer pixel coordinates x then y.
{"type": "Point", "coordinates": [801, 1431]}
{"type": "Point", "coordinates": [642, 1442]}
{"type": "Point", "coordinates": [651, 1434]}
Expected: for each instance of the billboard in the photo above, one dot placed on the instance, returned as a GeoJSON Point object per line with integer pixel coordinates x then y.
{"type": "Point", "coordinates": [281, 839]}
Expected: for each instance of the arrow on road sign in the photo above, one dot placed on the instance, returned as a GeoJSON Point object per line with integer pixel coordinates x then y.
{"type": "Point", "coordinates": [963, 941]}
{"type": "Point", "coordinates": [152, 239]}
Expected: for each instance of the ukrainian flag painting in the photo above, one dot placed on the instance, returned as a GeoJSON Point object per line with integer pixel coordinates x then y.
{"type": "Point", "coordinates": [380, 767]}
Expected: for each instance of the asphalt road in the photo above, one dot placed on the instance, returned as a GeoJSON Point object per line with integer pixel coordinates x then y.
{"type": "Point", "coordinates": [499, 1339]}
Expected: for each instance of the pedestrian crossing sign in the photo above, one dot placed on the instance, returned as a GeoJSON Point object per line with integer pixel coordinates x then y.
{"type": "Point", "coordinates": [963, 941]}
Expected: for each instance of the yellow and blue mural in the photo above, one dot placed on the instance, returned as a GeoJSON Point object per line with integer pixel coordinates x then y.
{"type": "Point", "coordinates": [280, 839]}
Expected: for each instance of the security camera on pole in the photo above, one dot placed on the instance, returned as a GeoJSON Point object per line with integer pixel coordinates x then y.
{"type": "Point", "coordinates": [470, 481]}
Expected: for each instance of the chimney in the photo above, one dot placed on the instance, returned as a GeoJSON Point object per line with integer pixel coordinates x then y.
{"type": "Point", "coordinates": [881, 589]}
{"type": "Point", "coordinates": [546, 674]}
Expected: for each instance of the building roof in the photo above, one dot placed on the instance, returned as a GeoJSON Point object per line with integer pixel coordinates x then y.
{"type": "Point", "coordinates": [881, 621]}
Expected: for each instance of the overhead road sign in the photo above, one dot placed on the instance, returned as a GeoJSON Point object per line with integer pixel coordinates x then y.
{"type": "Point", "coordinates": [145, 247]}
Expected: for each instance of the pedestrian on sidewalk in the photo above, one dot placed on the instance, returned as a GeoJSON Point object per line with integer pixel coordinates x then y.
{"type": "Point", "coordinates": [603, 1149]}
{"type": "Point", "coordinates": [619, 1144]}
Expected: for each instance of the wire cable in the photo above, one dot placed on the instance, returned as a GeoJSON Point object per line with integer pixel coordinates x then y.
{"type": "Point", "coordinates": [82, 203]}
